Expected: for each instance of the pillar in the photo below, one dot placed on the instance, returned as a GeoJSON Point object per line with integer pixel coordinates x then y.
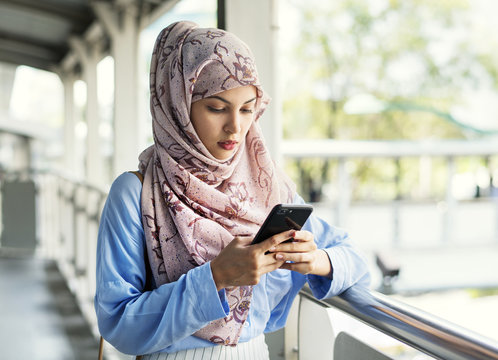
{"type": "Point", "coordinates": [70, 162]}
{"type": "Point", "coordinates": [7, 76]}
{"type": "Point", "coordinates": [263, 41]}
{"type": "Point", "coordinates": [122, 25]}
{"type": "Point", "coordinates": [89, 57]}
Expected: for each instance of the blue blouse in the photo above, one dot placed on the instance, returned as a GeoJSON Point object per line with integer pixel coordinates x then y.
{"type": "Point", "coordinates": [163, 320]}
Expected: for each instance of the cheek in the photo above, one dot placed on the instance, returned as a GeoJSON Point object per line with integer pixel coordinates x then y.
{"type": "Point", "coordinates": [247, 125]}
{"type": "Point", "coordinates": [202, 124]}
{"type": "Point", "coordinates": [194, 118]}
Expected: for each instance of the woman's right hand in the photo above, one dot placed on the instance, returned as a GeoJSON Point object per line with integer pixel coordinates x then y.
{"type": "Point", "coordinates": [241, 263]}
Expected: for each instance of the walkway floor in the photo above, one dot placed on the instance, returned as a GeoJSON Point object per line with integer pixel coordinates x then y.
{"type": "Point", "coordinates": [39, 316]}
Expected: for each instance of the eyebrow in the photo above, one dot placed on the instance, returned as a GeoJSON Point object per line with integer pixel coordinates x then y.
{"type": "Point", "coordinates": [228, 102]}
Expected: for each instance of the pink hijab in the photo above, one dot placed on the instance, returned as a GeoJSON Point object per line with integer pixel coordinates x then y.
{"type": "Point", "coordinates": [193, 204]}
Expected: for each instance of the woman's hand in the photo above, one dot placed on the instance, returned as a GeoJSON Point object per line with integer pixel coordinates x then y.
{"type": "Point", "coordinates": [302, 255]}
{"type": "Point", "coordinates": [241, 263]}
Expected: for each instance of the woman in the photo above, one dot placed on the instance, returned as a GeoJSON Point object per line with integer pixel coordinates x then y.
{"type": "Point", "coordinates": [176, 271]}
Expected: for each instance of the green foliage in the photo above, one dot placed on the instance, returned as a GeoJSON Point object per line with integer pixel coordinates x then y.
{"type": "Point", "coordinates": [414, 57]}
{"type": "Point", "coordinates": [477, 293]}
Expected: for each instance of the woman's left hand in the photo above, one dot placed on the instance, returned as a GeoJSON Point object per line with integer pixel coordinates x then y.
{"type": "Point", "coordinates": [303, 256]}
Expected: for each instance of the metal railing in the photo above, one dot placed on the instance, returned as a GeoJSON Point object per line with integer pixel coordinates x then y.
{"type": "Point", "coordinates": [344, 153]}
{"type": "Point", "coordinates": [69, 214]}
{"type": "Point", "coordinates": [69, 217]}
{"type": "Point", "coordinates": [425, 332]}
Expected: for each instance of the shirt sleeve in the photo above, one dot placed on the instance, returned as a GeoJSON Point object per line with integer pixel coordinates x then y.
{"type": "Point", "coordinates": [131, 319]}
{"type": "Point", "coordinates": [349, 266]}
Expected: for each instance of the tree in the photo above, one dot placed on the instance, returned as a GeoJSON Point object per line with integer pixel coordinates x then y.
{"type": "Point", "coordinates": [412, 57]}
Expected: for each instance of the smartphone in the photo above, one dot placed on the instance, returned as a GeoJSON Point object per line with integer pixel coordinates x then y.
{"type": "Point", "coordinates": [282, 218]}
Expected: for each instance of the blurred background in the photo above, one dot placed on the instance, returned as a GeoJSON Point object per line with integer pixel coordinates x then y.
{"type": "Point", "coordinates": [384, 113]}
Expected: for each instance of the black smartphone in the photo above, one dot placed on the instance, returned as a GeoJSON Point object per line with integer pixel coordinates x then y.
{"type": "Point", "coordinates": [283, 217]}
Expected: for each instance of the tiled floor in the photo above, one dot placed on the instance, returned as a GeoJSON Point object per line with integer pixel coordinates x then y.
{"type": "Point", "coordinates": [39, 318]}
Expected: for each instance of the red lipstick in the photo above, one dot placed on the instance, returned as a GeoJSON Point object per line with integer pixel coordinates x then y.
{"type": "Point", "coordinates": [227, 145]}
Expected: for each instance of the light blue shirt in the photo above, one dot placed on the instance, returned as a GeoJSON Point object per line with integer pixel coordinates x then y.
{"type": "Point", "coordinates": [163, 320]}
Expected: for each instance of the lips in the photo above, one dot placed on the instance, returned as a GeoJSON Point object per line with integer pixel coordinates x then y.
{"type": "Point", "coordinates": [227, 145]}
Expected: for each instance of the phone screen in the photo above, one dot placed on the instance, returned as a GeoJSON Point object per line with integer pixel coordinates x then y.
{"type": "Point", "coordinates": [282, 218]}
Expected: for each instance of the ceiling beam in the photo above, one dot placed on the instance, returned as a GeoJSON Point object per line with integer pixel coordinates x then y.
{"type": "Point", "coordinates": [10, 36]}
{"type": "Point", "coordinates": [79, 16]}
{"type": "Point", "coordinates": [25, 59]}
{"type": "Point", "coordinates": [24, 44]}
{"type": "Point", "coordinates": [24, 51]}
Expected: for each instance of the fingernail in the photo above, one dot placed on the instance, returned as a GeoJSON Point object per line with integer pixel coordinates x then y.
{"type": "Point", "coordinates": [272, 249]}
{"type": "Point", "coordinates": [293, 233]}
{"type": "Point", "coordinates": [279, 256]}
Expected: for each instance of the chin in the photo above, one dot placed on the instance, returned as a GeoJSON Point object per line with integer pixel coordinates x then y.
{"type": "Point", "coordinates": [224, 156]}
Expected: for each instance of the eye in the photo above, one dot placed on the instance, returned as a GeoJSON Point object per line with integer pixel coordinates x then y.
{"type": "Point", "coordinates": [247, 111]}
{"type": "Point", "coordinates": [215, 109]}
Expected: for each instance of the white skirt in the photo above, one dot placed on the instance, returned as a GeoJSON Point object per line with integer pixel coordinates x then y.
{"type": "Point", "coordinates": [254, 349]}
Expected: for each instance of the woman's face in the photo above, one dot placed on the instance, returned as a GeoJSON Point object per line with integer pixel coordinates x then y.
{"type": "Point", "coordinates": [223, 120]}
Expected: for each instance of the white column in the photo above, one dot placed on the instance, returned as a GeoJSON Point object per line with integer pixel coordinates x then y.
{"type": "Point", "coordinates": [262, 38]}
{"type": "Point", "coordinates": [7, 77]}
{"type": "Point", "coordinates": [69, 124]}
{"type": "Point", "coordinates": [121, 24]}
{"type": "Point", "coordinates": [89, 57]}
{"type": "Point", "coordinates": [22, 153]}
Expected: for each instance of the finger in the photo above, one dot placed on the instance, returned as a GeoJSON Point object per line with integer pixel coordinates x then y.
{"type": "Point", "coordinates": [304, 257]}
{"type": "Point", "coordinates": [270, 243]}
{"type": "Point", "coordinates": [298, 238]}
{"type": "Point", "coordinates": [303, 236]}
{"type": "Point", "coordinates": [303, 268]}
{"type": "Point", "coordinates": [273, 266]}
{"type": "Point", "coordinates": [296, 247]}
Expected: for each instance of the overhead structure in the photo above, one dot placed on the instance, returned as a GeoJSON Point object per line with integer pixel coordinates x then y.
{"type": "Point", "coordinates": [36, 33]}
{"type": "Point", "coordinates": [71, 37]}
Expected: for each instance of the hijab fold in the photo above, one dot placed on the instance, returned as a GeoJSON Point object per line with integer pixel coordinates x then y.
{"type": "Point", "coordinates": [193, 204]}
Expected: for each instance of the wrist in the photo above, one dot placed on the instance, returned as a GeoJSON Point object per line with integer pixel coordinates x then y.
{"type": "Point", "coordinates": [324, 267]}
{"type": "Point", "coordinates": [217, 275]}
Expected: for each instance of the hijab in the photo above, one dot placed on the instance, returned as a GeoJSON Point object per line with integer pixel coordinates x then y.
{"type": "Point", "coordinates": [194, 204]}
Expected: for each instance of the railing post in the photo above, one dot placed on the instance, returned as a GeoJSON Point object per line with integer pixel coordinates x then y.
{"type": "Point", "coordinates": [291, 334]}
{"type": "Point", "coordinates": [450, 201]}
{"type": "Point", "coordinates": [343, 193]}
{"type": "Point", "coordinates": [318, 343]}
{"type": "Point", "coordinates": [493, 193]}
{"type": "Point", "coordinates": [495, 199]}
{"type": "Point", "coordinates": [61, 217]}
{"type": "Point", "coordinates": [92, 208]}
{"type": "Point", "coordinates": [50, 204]}
{"type": "Point", "coordinates": [70, 259]}
{"type": "Point", "coordinates": [397, 203]}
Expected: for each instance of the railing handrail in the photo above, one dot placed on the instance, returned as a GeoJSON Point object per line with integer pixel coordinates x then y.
{"type": "Point", "coordinates": [79, 182]}
{"type": "Point", "coordinates": [418, 329]}
{"type": "Point", "coordinates": [423, 331]}
{"type": "Point", "coordinates": [331, 148]}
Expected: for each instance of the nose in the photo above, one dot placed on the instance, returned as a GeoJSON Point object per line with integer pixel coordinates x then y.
{"type": "Point", "coordinates": [233, 123]}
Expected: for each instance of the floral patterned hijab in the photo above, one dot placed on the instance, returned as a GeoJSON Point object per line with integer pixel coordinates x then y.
{"type": "Point", "coordinates": [193, 204]}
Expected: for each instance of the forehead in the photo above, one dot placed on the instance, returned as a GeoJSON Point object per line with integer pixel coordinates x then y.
{"type": "Point", "coordinates": [237, 96]}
